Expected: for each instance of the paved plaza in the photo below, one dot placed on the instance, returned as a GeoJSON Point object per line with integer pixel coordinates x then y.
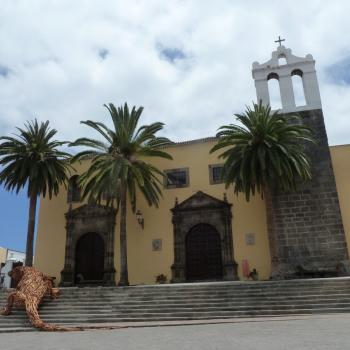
{"type": "Point", "coordinates": [328, 332]}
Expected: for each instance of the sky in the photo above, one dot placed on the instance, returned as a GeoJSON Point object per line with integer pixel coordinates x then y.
{"type": "Point", "coordinates": [187, 62]}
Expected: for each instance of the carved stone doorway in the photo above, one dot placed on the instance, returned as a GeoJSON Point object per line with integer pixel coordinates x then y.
{"type": "Point", "coordinates": [90, 231]}
{"type": "Point", "coordinates": [205, 210]}
{"type": "Point", "coordinates": [203, 254]}
{"type": "Point", "coordinates": [89, 259]}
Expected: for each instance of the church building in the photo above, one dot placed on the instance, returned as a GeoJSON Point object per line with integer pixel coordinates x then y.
{"type": "Point", "coordinates": [202, 231]}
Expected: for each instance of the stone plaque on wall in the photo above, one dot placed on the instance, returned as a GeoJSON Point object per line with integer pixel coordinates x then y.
{"type": "Point", "coordinates": [250, 238]}
{"type": "Point", "coordinates": [156, 244]}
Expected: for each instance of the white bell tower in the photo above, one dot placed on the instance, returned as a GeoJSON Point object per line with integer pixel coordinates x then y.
{"type": "Point", "coordinates": [283, 72]}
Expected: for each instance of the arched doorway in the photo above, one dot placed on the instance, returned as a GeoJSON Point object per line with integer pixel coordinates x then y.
{"type": "Point", "coordinates": [89, 258]}
{"type": "Point", "coordinates": [203, 254]}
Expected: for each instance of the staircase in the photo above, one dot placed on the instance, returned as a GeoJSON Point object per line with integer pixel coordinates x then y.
{"type": "Point", "coordinates": [179, 302]}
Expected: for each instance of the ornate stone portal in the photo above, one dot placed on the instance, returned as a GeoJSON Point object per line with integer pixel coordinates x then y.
{"type": "Point", "coordinates": [202, 209]}
{"type": "Point", "coordinates": [89, 218]}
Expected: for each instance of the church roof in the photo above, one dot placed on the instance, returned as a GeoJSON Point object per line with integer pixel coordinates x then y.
{"type": "Point", "coordinates": [194, 141]}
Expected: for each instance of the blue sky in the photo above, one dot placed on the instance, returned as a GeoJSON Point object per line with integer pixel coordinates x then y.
{"type": "Point", "coordinates": [187, 62]}
{"type": "Point", "coordinates": [14, 213]}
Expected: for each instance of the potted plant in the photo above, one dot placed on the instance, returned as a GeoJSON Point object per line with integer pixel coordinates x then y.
{"type": "Point", "coordinates": [161, 279]}
{"type": "Point", "coordinates": [254, 275]}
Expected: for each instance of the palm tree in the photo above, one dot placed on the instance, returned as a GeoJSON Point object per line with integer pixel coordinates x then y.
{"type": "Point", "coordinates": [31, 159]}
{"type": "Point", "coordinates": [119, 166]}
{"type": "Point", "coordinates": [265, 155]}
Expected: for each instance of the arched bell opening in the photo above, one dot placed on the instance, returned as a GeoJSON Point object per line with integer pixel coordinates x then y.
{"type": "Point", "coordinates": [274, 91]}
{"type": "Point", "coordinates": [282, 60]}
{"type": "Point", "coordinates": [298, 87]}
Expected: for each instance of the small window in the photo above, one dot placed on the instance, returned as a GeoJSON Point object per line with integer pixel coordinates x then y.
{"type": "Point", "coordinates": [282, 60]}
{"type": "Point", "coordinates": [176, 178]}
{"type": "Point", "coordinates": [215, 174]}
{"type": "Point", "coordinates": [74, 191]}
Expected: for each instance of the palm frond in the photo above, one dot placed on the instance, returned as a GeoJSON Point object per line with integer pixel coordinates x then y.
{"type": "Point", "coordinates": [267, 152]}
{"type": "Point", "coordinates": [116, 162]}
{"type": "Point", "coordinates": [32, 159]}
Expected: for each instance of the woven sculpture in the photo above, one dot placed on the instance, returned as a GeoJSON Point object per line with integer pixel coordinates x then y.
{"type": "Point", "coordinates": [32, 287]}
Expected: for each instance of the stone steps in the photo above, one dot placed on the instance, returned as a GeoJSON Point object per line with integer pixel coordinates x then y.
{"type": "Point", "coordinates": [66, 293]}
{"type": "Point", "coordinates": [46, 309]}
{"type": "Point", "coordinates": [55, 304]}
{"type": "Point", "coordinates": [48, 304]}
{"type": "Point", "coordinates": [77, 319]}
{"type": "Point", "coordinates": [186, 314]}
{"type": "Point", "coordinates": [183, 302]}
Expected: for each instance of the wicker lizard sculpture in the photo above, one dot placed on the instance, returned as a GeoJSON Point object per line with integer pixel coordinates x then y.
{"type": "Point", "coordinates": [32, 287]}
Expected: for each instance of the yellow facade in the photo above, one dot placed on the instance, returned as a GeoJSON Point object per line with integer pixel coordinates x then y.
{"type": "Point", "coordinates": [3, 254]}
{"type": "Point", "coordinates": [144, 263]}
{"type": "Point", "coordinates": [341, 165]}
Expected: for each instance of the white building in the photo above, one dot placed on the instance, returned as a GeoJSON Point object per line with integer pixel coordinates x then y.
{"type": "Point", "coordinates": [8, 257]}
{"type": "Point", "coordinates": [14, 255]}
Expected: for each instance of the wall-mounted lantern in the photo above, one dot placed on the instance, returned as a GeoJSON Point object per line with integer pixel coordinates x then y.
{"type": "Point", "coordinates": [140, 218]}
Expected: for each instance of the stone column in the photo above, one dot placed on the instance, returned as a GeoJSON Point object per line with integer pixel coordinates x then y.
{"type": "Point", "coordinates": [109, 272]}
{"type": "Point", "coordinates": [67, 274]}
{"type": "Point", "coordinates": [229, 264]}
{"type": "Point", "coordinates": [287, 93]}
{"type": "Point", "coordinates": [178, 268]}
{"type": "Point", "coordinates": [262, 91]}
{"type": "Point", "coordinates": [311, 89]}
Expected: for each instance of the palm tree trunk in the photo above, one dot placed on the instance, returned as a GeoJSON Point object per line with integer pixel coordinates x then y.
{"type": "Point", "coordinates": [124, 278]}
{"type": "Point", "coordinates": [31, 228]}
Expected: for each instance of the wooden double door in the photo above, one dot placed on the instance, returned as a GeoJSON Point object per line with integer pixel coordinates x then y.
{"type": "Point", "coordinates": [89, 259]}
{"type": "Point", "coordinates": [203, 254]}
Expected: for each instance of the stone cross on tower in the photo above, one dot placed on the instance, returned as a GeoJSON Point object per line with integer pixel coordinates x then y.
{"type": "Point", "coordinates": [279, 40]}
{"type": "Point", "coordinates": [274, 69]}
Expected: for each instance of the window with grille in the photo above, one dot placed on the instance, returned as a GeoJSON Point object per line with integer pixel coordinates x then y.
{"type": "Point", "coordinates": [215, 174]}
{"type": "Point", "coordinates": [175, 178]}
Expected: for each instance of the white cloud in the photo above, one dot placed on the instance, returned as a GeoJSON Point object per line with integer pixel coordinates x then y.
{"type": "Point", "coordinates": [53, 50]}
